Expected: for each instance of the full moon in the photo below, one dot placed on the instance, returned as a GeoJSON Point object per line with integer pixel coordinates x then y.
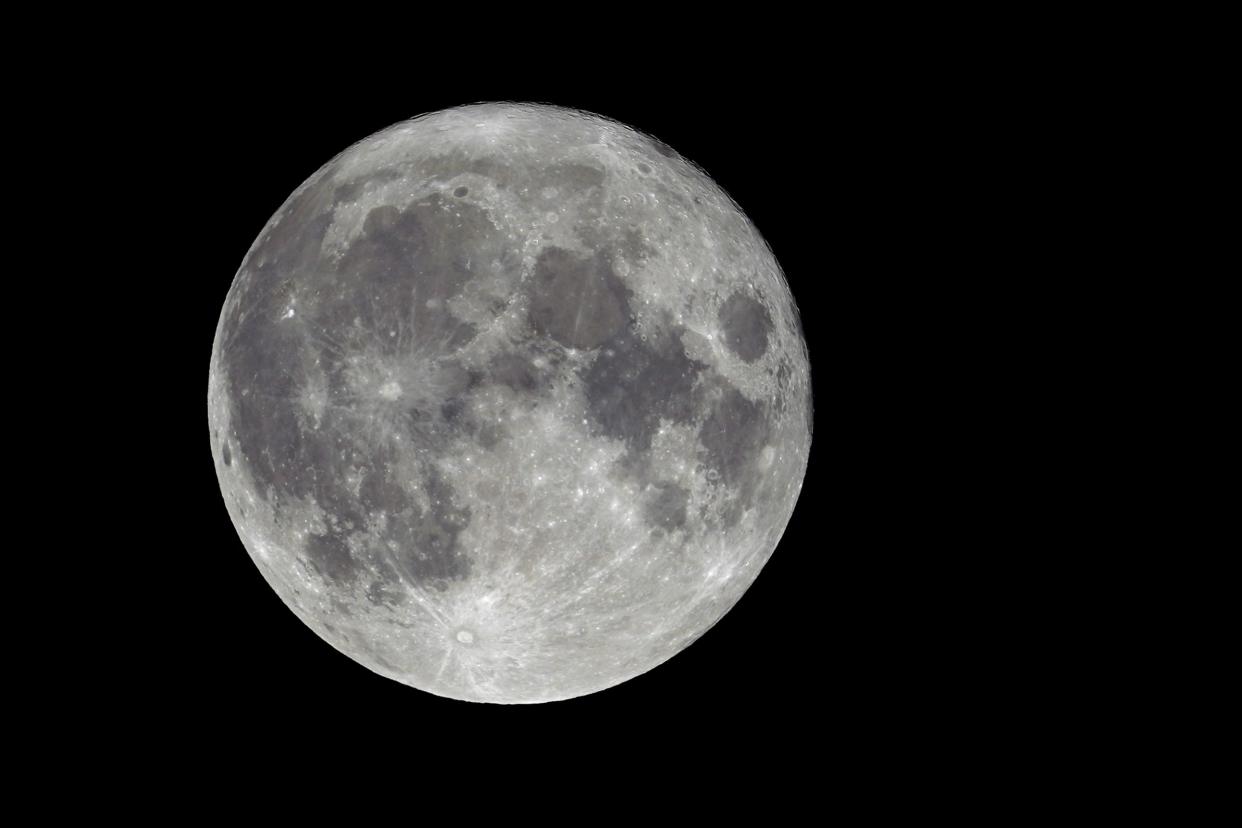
{"type": "Point", "coordinates": [509, 403]}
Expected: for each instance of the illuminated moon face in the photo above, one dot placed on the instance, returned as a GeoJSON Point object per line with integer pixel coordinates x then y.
{"type": "Point", "coordinates": [509, 403]}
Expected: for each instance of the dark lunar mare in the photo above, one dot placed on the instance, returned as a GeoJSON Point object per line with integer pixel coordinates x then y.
{"type": "Point", "coordinates": [746, 325]}
{"type": "Point", "coordinates": [632, 384]}
{"type": "Point", "coordinates": [374, 300]}
{"type": "Point", "coordinates": [577, 300]}
{"type": "Point", "coordinates": [665, 506]}
{"type": "Point", "coordinates": [733, 436]}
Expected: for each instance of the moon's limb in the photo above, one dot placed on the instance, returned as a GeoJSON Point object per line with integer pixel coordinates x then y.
{"type": "Point", "coordinates": [510, 403]}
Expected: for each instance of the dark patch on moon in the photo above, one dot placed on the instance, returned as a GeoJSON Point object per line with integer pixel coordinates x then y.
{"type": "Point", "coordinates": [663, 148]}
{"type": "Point", "coordinates": [294, 242]}
{"type": "Point", "coordinates": [453, 163]}
{"type": "Point", "coordinates": [350, 190]}
{"type": "Point", "coordinates": [577, 300]}
{"type": "Point", "coordinates": [379, 492]}
{"type": "Point", "coordinates": [571, 178]}
{"type": "Point", "coordinates": [266, 426]}
{"type": "Point", "coordinates": [746, 324]}
{"type": "Point", "coordinates": [634, 247]}
{"type": "Point", "coordinates": [733, 436]}
{"type": "Point", "coordinates": [516, 370]}
{"type": "Point", "coordinates": [453, 411]}
{"type": "Point", "coordinates": [384, 303]}
{"type": "Point", "coordinates": [388, 295]}
{"type": "Point", "coordinates": [226, 455]}
{"type": "Point", "coordinates": [632, 385]}
{"type": "Point", "coordinates": [489, 435]}
{"type": "Point", "coordinates": [426, 544]}
{"type": "Point", "coordinates": [419, 543]}
{"type": "Point", "coordinates": [461, 424]}
{"type": "Point", "coordinates": [403, 259]}
{"type": "Point", "coordinates": [665, 507]}
{"type": "Point", "coordinates": [461, 192]}
{"type": "Point", "coordinates": [330, 556]}
{"type": "Point", "coordinates": [256, 352]}
{"type": "Point", "coordinates": [380, 594]}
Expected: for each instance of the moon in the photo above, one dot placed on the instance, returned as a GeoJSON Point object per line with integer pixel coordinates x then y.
{"type": "Point", "coordinates": [509, 403]}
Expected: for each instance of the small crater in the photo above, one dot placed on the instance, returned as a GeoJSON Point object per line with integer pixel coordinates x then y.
{"type": "Point", "coordinates": [461, 192]}
{"type": "Point", "coordinates": [465, 637]}
{"type": "Point", "coordinates": [226, 455]}
{"type": "Point", "coordinates": [644, 169]}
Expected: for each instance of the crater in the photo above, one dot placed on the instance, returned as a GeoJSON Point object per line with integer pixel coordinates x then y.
{"type": "Point", "coordinates": [257, 354]}
{"type": "Point", "coordinates": [746, 325]}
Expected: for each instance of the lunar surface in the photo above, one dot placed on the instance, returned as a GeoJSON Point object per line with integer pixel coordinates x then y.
{"type": "Point", "coordinates": [509, 403]}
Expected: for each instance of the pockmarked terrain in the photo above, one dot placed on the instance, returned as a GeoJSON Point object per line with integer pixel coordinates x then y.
{"type": "Point", "coordinates": [509, 403]}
